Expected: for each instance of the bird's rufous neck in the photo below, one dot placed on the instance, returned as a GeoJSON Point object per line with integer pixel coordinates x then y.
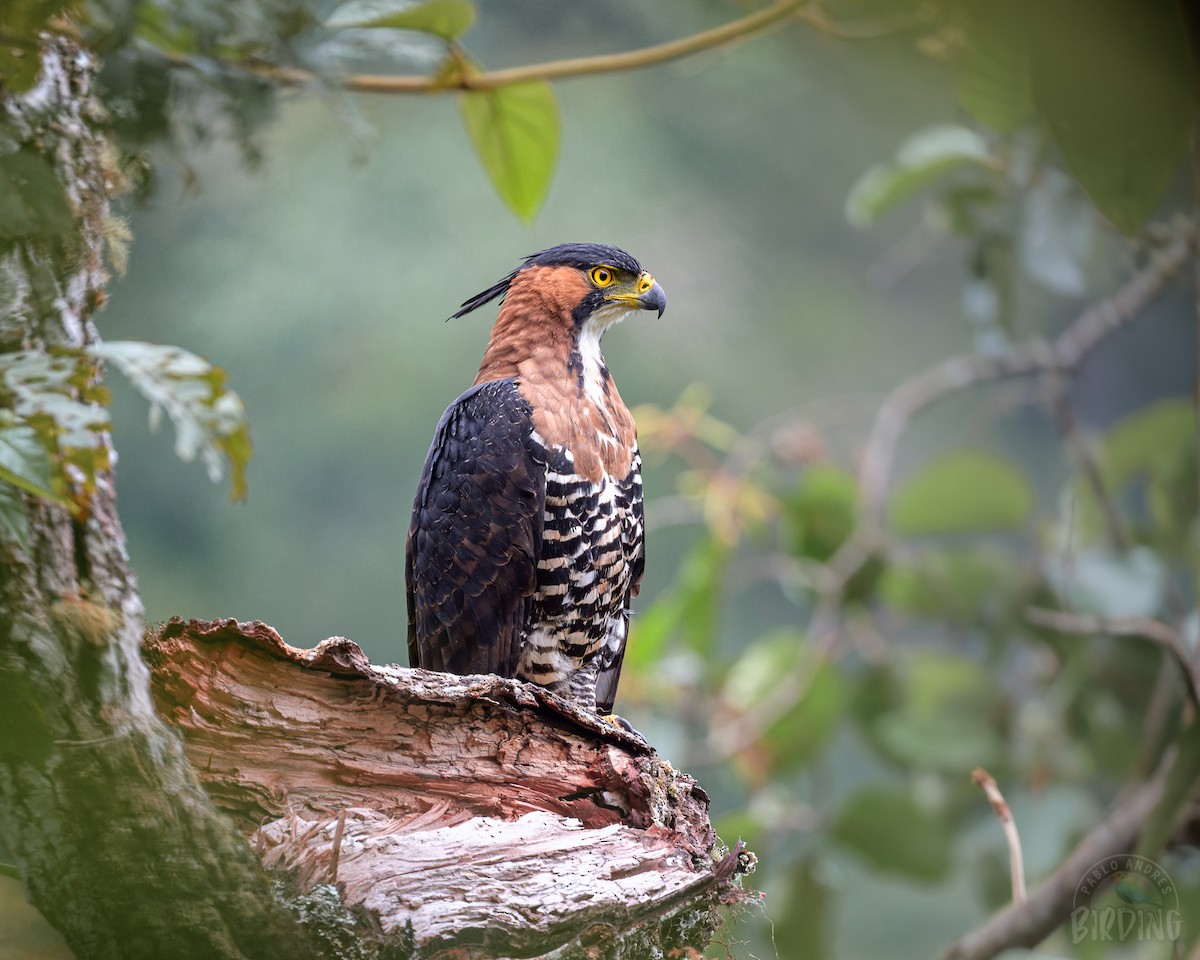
{"type": "Point", "coordinates": [534, 334]}
{"type": "Point", "coordinates": [575, 405]}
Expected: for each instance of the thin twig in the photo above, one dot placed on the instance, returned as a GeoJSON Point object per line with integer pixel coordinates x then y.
{"type": "Point", "coordinates": [1028, 923]}
{"type": "Point", "coordinates": [1160, 702]}
{"type": "Point", "coordinates": [1089, 624]}
{"type": "Point", "coordinates": [1089, 464]}
{"type": "Point", "coordinates": [466, 79]}
{"type": "Point", "coordinates": [1016, 862]}
{"type": "Point", "coordinates": [1062, 355]}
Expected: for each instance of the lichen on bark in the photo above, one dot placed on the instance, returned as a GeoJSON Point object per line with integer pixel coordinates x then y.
{"type": "Point", "coordinates": [116, 843]}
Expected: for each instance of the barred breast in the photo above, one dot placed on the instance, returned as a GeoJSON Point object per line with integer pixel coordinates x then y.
{"type": "Point", "coordinates": [592, 544]}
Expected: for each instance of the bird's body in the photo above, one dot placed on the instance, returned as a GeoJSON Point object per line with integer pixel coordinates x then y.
{"type": "Point", "coordinates": [1134, 890]}
{"type": "Point", "coordinates": [526, 542]}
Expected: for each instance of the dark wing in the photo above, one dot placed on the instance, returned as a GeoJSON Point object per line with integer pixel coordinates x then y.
{"type": "Point", "coordinates": [634, 541]}
{"type": "Point", "coordinates": [475, 536]}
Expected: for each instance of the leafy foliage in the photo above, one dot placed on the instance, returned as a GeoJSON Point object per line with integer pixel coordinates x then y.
{"type": "Point", "coordinates": [448, 19]}
{"type": "Point", "coordinates": [922, 159]}
{"type": "Point", "coordinates": [993, 77]}
{"type": "Point", "coordinates": [54, 425]}
{"type": "Point", "coordinates": [165, 66]}
{"type": "Point", "coordinates": [55, 401]}
{"type": "Point", "coordinates": [894, 832]}
{"type": "Point", "coordinates": [905, 644]}
{"type": "Point", "coordinates": [1148, 460]}
{"type": "Point", "coordinates": [209, 419]}
{"type": "Point", "coordinates": [1111, 79]}
{"type": "Point", "coordinates": [966, 491]}
{"type": "Point", "coordinates": [1108, 81]}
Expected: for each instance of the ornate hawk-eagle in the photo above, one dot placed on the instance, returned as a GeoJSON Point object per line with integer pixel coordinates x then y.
{"type": "Point", "coordinates": [526, 542]}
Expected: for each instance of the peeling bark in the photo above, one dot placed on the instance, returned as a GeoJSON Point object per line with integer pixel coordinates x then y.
{"type": "Point", "coordinates": [482, 815]}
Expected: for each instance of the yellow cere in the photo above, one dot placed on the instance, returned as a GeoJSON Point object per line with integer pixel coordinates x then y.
{"type": "Point", "coordinates": [645, 282]}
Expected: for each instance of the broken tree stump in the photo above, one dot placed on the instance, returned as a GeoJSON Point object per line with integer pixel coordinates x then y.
{"type": "Point", "coordinates": [476, 816]}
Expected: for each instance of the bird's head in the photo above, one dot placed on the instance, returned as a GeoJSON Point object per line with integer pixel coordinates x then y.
{"type": "Point", "coordinates": [596, 284]}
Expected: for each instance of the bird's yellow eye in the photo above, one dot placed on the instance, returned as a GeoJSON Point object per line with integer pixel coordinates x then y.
{"type": "Point", "coordinates": [603, 276]}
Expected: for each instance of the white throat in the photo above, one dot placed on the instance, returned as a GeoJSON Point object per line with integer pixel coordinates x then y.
{"type": "Point", "coordinates": [593, 363]}
{"type": "Point", "coordinates": [609, 315]}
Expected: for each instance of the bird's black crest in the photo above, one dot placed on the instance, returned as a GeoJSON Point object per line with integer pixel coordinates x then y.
{"type": "Point", "coordinates": [581, 255]}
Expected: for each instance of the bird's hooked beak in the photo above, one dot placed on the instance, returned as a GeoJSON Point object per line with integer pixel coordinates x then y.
{"type": "Point", "coordinates": [649, 295]}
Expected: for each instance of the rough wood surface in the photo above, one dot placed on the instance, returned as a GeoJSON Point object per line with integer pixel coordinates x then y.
{"type": "Point", "coordinates": [482, 813]}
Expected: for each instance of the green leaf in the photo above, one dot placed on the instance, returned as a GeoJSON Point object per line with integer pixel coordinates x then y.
{"type": "Point", "coordinates": [1148, 464]}
{"type": "Point", "coordinates": [805, 923]}
{"type": "Point", "coordinates": [1151, 440]}
{"type": "Point", "coordinates": [923, 158]}
{"type": "Point", "coordinates": [1113, 79]}
{"type": "Point", "coordinates": [700, 592]}
{"type": "Point", "coordinates": [56, 396]}
{"type": "Point", "coordinates": [33, 205]}
{"type": "Point", "coordinates": [942, 722]}
{"type": "Point", "coordinates": [448, 19]}
{"type": "Point", "coordinates": [979, 585]}
{"type": "Point", "coordinates": [804, 731]}
{"type": "Point", "coordinates": [20, 23]}
{"type": "Point", "coordinates": [24, 462]}
{"type": "Point", "coordinates": [761, 666]}
{"type": "Point", "coordinates": [994, 79]}
{"type": "Point", "coordinates": [893, 833]}
{"type": "Point", "coordinates": [821, 511]}
{"type": "Point", "coordinates": [515, 131]}
{"type": "Point", "coordinates": [965, 491]}
{"type": "Point", "coordinates": [783, 657]}
{"type": "Point", "coordinates": [691, 608]}
{"type": "Point", "coordinates": [13, 522]}
{"type": "Point", "coordinates": [649, 632]}
{"type": "Point", "coordinates": [209, 419]}
{"type": "Point", "coordinates": [156, 25]}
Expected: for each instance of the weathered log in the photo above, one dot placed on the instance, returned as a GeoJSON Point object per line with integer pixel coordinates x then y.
{"type": "Point", "coordinates": [479, 813]}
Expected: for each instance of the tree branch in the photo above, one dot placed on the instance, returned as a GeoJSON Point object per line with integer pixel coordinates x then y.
{"type": "Point", "coordinates": [116, 843]}
{"type": "Point", "coordinates": [1062, 355]}
{"type": "Point", "coordinates": [1087, 624]}
{"type": "Point", "coordinates": [1028, 923]}
{"type": "Point", "coordinates": [465, 78]}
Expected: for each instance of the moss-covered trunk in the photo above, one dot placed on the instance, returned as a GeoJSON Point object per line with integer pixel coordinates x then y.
{"type": "Point", "coordinates": [119, 847]}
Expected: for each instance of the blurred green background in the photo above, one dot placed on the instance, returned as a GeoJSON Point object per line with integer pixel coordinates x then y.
{"type": "Point", "coordinates": [320, 278]}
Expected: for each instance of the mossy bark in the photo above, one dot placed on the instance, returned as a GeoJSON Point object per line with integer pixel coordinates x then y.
{"type": "Point", "coordinates": [118, 846]}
